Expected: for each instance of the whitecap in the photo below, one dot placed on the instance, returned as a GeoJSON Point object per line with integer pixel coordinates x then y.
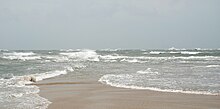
{"type": "Point", "coordinates": [213, 66]}
{"type": "Point", "coordinates": [173, 52]}
{"type": "Point", "coordinates": [110, 57]}
{"type": "Point", "coordinates": [130, 60]}
{"type": "Point", "coordinates": [84, 55]}
{"type": "Point", "coordinates": [79, 66]}
{"type": "Point", "coordinates": [20, 53]}
{"type": "Point", "coordinates": [67, 50]}
{"type": "Point", "coordinates": [21, 56]}
{"type": "Point", "coordinates": [172, 48]}
{"type": "Point", "coordinates": [147, 71]}
{"type": "Point", "coordinates": [189, 52]}
{"type": "Point", "coordinates": [69, 68]}
{"type": "Point", "coordinates": [110, 49]}
{"type": "Point", "coordinates": [156, 52]}
{"type": "Point", "coordinates": [56, 58]}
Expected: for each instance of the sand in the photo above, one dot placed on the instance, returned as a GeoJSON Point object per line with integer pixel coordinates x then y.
{"type": "Point", "coordinates": [83, 94]}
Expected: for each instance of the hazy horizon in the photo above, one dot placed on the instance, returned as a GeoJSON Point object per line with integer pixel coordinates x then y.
{"type": "Point", "coordinates": [103, 24]}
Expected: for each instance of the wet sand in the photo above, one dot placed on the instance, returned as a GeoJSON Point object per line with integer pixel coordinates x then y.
{"type": "Point", "coordinates": [94, 95]}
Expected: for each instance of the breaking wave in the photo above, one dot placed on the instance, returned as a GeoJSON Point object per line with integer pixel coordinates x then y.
{"type": "Point", "coordinates": [82, 55]}
{"type": "Point", "coordinates": [128, 81]}
{"type": "Point", "coordinates": [21, 56]}
{"type": "Point", "coordinates": [147, 71]}
{"type": "Point", "coordinates": [213, 66]}
{"type": "Point", "coordinates": [16, 93]}
{"type": "Point", "coordinates": [189, 53]}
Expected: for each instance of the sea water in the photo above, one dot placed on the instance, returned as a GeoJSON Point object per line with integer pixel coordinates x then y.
{"type": "Point", "coordinates": [191, 71]}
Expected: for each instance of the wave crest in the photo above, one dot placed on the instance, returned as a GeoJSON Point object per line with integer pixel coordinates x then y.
{"type": "Point", "coordinates": [125, 81]}
{"type": "Point", "coordinates": [84, 55]}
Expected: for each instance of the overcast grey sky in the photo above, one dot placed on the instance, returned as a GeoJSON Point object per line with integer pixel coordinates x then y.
{"type": "Point", "coordinates": [96, 24]}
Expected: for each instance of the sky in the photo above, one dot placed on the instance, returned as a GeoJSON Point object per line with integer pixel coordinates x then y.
{"type": "Point", "coordinates": [100, 24]}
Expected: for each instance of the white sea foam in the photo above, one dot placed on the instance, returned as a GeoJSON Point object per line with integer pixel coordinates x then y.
{"type": "Point", "coordinates": [156, 52]}
{"type": "Point", "coordinates": [79, 66]}
{"type": "Point", "coordinates": [20, 53]}
{"type": "Point", "coordinates": [111, 57]}
{"type": "Point", "coordinates": [173, 52]}
{"type": "Point", "coordinates": [110, 60]}
{"type": "Point", "coordinates": [21, 56]}
{"type": "Point", "coordinates": [50, 74]}
{"type": "Point", "coordinates": [189, 52]}
{"type": "Point", "coordinates": [69, 68]}
{"type": "Point", "coordinates": [213, 66]}
{"type": "Point", "coordinates": [67, 50]}
{"type": "Point", "coordinates": [179, 57]}
{"type": "Point", "coordinates": [147, 71]}
{"type": "Point", "coordinates": [15, 94]}
{"type": "Point", "coordinates": [57, 58]}
{"type": "Point", "coordinates": [132, 61]}
{"type": "Point", "coordinates": [143, 59]}
{"type": "Point", "coordinates": [89, 55]}
{"type": "Point", "coordinates": [204, 49]}
{"type": "Point", "coordinates": [172, 48]}
{"type": "Point", "coordinates": [107, 79]}
{"type": "Point", "coordinates": [175, 49]}
{"type": "Point", "coordinates": [110, 49]}
{"type": "Point", "coordinates": [25, 96]}
{"type": "Point", "coordinates": [199, 57]}
{"type": "Point", "coordinates": [145, 53]}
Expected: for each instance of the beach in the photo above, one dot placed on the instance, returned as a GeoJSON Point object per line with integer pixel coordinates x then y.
{"type": "Point", "coordinates": [89, 94]}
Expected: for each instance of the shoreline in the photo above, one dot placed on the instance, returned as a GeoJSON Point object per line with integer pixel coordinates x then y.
{"type": "Point", "coordinates": [82, 94]}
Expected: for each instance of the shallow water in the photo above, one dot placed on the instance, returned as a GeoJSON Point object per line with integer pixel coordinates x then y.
{"type": "Point", "coordinates": [182, 71]}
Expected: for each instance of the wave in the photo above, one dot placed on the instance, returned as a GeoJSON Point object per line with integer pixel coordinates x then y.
{"type": "Point", "coordinates": [130, 60]}
{"type": "Point", "coordinates": [69, 68]}
{"type": "Point", "coordinates": [15, 90]}
{"type": "Point", "coordinates": [50, 74]}
{"type": "Point", "coordinates": [144, 59]}
{"type": "Point", "coordinates": [213, 66]}
{"type": "Point", "coordinates": [3, 50]}
{"type": "Point", "coordinates": [116, 81]}
{"type": "Point", "coordinates": [67, 50]}
{"type": "Point", "coordinates": [21, 56]}
{"type": "Point", "coordinates": [147, 71]}
{"type": "Point", "coordinates": [56, 58]}
{"type": "Point", "coordinates": [180, 57]}
{"type": "Point", "coordinates": [190, 53]}
{"type": "Point", "coordinates": [79, 66]}
{"type": "Point", "coordinates": [15, 94]}
{"type": "Point", "coordinates": [112, 57]}
{"type": "Point", "coordinates": [173, 52]}
{"type": "Point", "coordinates": [20, 53]}
{"type": "Point", "coordinates": [173, 49]}
{"type": "Point", "coordinates": [156, 52]}
{"type": "Point", "coordinates": [82, 55]}
{"type": "Point", "coordinates": [111, 49]}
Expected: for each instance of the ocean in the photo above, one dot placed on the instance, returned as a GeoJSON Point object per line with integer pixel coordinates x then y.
{"type": "Point", "coordinates": [190, 71]}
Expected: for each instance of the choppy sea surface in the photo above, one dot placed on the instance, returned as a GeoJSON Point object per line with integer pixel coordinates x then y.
{"type": "Point", "coordinates": [192, 71]}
